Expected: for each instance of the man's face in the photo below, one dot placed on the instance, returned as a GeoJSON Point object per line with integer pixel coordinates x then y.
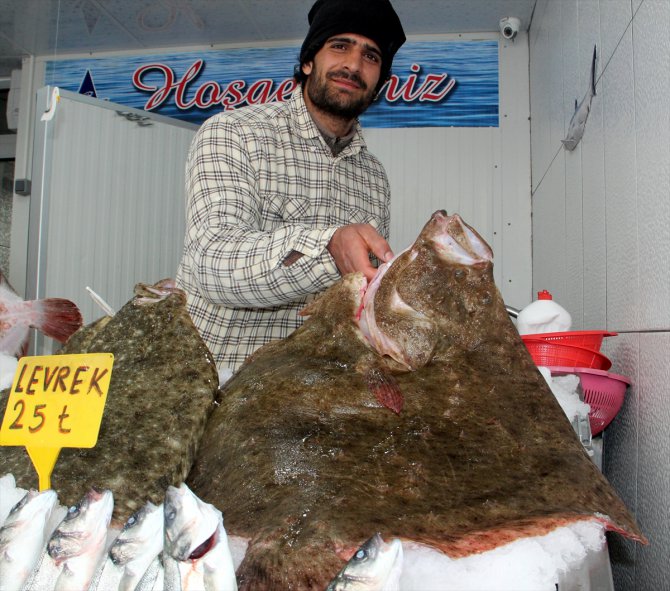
{"type": "Point", "coordinates": [343, 75]}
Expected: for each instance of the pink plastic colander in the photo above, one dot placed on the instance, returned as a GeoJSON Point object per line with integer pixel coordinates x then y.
{"type": "Point", "coordinates": [603, 391]}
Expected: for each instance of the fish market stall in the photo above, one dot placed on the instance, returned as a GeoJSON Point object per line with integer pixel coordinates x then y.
{"type": "Point", "coordinates": [404, 410]}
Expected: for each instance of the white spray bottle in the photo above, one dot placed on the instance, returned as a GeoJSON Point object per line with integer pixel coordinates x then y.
{"type": "Point", "coordinates": [543, 315]}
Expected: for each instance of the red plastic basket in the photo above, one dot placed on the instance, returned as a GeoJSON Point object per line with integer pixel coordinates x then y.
{"type": "Point", "coordinates": [555, 354]}
{"type": "Point", "coordinates": [603, 391]}
{"type": "Point", "coordinates": [589, 339]}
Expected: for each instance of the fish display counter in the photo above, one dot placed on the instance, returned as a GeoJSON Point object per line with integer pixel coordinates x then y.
{"type": "Point", "coordinates": [408, 408]}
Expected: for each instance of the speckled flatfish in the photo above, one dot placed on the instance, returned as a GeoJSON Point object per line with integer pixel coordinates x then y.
{"type": "Point", "coordinates": [162, 389]}
{"type": "Point", "coordinates": [426, 420]}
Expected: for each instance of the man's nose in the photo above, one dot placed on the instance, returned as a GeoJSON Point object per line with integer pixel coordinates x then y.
{"type": "Point", "coordinates": [353, 60]}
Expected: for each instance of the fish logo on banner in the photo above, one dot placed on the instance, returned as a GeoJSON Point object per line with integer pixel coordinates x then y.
{"type": "Point", "coordinates": [87, 87]}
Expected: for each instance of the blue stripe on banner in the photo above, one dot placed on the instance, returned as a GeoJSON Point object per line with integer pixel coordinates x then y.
{"type": "Point", "coordinates": [434, 83]}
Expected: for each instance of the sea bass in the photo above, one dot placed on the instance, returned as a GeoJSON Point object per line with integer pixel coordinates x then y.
{"type": "Point", "coordinates": [77, 546]}
{"type": "Point", "coordinates": [577, 123]}
{"type": "Point", "coordinates": [134, 551]}
{"type": "Point", "coordinates": [375, 566]}
{"type": "Point", "coordinates": [9, 495]}
{"type": "Point", "coordinates": [55, 317]}
{"type": "Point", "coordinates": [162, 388]}
{"type": "Point", "coordinates": [23, 537]}
{"type": "Point", "coordinates": [196, 553]}
{"type": "Point", "coordinates": [306, 459]}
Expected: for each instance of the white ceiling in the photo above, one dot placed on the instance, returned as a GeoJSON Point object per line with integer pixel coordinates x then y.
{"type": "Point", "coordinates": [56, 27]}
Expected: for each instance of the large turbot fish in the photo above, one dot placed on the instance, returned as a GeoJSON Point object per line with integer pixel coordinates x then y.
{"type": "Point", "coordinates": [55, 317]}
{"type": "Point", "coordinates": [305, 456]}
{"type": "Point", "coordinates": [162, 389]}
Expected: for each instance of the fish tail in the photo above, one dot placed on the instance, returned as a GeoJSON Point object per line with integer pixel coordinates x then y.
{"type": "Point", "coordinates": [593, 72]}
{"type": "Point", "coordinates": [57, 318]}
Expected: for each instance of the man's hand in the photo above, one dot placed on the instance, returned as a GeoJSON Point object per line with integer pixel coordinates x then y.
{"type": "Point", "coordinates": [351, 245]}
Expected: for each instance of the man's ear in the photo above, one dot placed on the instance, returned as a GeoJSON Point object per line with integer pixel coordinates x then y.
{"type": "Point", "coordinates": [307, 68]}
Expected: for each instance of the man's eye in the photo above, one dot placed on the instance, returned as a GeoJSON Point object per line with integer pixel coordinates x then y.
{"type": "Point", "coordinates": [373, 57]}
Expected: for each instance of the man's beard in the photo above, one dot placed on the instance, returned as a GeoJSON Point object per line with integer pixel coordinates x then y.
{"type": "Point", "coordinates": [333, 102]}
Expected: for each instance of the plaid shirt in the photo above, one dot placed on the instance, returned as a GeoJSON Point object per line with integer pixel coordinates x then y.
{"type": "Point", "coordinates": [261, 182]}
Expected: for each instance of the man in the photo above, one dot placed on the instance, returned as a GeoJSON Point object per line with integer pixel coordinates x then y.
{"type": "Point", "coordinates": [283, 199]}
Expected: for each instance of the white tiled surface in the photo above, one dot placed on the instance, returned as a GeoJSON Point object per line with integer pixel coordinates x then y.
{"type": "Point", "coordinates": [620, 187]}
{"type": "Point", "coordinates": [601, 233]}
{"type": "Point", "coordinates": [652, 141]}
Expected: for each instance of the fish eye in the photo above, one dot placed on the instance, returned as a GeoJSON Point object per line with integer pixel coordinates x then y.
{"type": "Point", "coordinates": [361, 555]}
{"type": "Point", "coordinates": [22, 503]}
{"type": "Point", "coordinates": [73, 511]}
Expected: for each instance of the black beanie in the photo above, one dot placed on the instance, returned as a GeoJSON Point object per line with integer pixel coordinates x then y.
{"type": "Point", "coordinates": [374, 19]}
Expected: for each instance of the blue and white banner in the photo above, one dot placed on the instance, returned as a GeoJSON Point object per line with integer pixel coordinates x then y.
{"type": "Point", "coordinates": [433, 83]}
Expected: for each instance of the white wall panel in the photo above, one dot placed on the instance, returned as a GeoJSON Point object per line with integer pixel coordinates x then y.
{"type": "Point", "coordinates": [653, 508]}
{"type": "Point", "coordinates": [112, 209]}
{"type": "Point", "coordinates": [620, 185]}
{"type": "Point", "coordinates": [549, 234]}
{"type": "Point", "coordinates": [615, 19]}
{"type": "Point", "coordinates": [541, 149]}
{"type": "Point", "coordinates": [511, 189]}
{"type": "Point", "coordinates": [652, 142]}
{"type": "Point", "coordinates": [623, 167]}
{"type": "Point", "coordinates": [593, 175]}
{"type": "Point", "coordinates": [620, 455]}
{"type": "Point", "coordinates": [573, 88]}
{"type": "Point", "coordinates": [435, 168]}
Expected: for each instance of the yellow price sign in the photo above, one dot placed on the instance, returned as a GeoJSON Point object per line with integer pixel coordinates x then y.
{"type": "Point", "coordinates": [56, 401]}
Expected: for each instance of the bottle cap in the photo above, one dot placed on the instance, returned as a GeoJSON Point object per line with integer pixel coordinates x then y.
{"type": "Point", "coordinates": [544, 295]}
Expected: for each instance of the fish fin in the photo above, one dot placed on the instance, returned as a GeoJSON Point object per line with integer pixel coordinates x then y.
{"type": "Point", "coordinates": [57, 318]}
{"type": "Point", "coordinates": [104, 306]}
{"type": "Point", "coordinates": [385, 389]}
{"type": "Point", "coordinates": [569, 145]}
{"type": "Point", "coordinates": [593, 72]}
{"type": "Point", "coordinates": [576, 105]}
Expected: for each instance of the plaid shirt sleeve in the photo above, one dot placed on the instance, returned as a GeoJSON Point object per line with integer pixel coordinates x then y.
{"type": "Point", "coordinates": [237, 259]}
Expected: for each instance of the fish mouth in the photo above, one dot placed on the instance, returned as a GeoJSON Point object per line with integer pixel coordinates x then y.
{"type": "Point", "coordinates": [185, 551]}
{"type": "Point", "coordinates": [205, 547]}
{"type": "Point", "coordinates": [457, 242]}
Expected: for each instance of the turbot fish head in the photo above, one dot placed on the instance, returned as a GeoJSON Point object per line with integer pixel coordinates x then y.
{"type": "Point", "coordinates": [375, 566]}
{"type": "Point", "coordinates": [190, 524]}
{"type": "Point", "coordinates": [455, 241]}
{"type": "Point", "coordinates": [84, 527]}
{"type": "Point", "coordinates": [408, 298]}
{"type": "Point", "coordinates": [153, 294]}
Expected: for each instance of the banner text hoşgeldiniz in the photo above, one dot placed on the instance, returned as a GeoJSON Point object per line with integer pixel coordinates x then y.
{"type": "Point", "coordinates": [433, 83]}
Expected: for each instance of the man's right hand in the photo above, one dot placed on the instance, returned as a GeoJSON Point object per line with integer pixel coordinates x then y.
{"type": "Point", "coordinates": [351, 246]}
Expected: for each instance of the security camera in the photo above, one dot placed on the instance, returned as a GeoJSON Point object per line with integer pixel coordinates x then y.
{"type": "Point", "coordinates": [509, 27]}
